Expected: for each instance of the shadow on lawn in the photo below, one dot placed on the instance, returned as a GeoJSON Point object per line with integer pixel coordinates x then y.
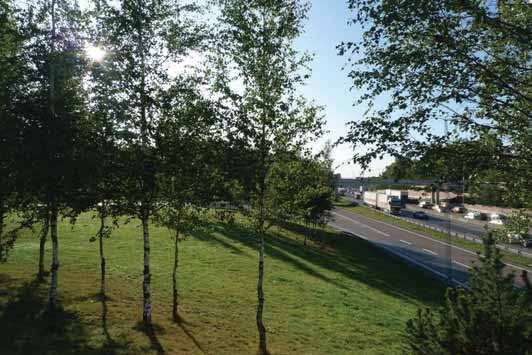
{"type": "Point", "coordinates": [151, 333]}
{"type": "Point", "coordinates": [26, 328]}
{"type": "Point", "coordinates": [155, 343]}
{"type": "Point", "coordinates": [282, 250]}
{"type": "Point", "coordinates": [205, 234]}
{"type": "Point", "coordinates": [6, 283]}
{"type": "Point", "coordinates": [183, 325]}
{"type": "Point", "coordinates": [355, 259]}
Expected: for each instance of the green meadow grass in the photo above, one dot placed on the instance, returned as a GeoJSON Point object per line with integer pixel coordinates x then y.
{"type": "Point", "coordinates": [340, 297]}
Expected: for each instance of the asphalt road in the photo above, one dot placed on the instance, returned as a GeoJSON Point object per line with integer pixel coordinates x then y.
{"type": "Point", "coordinates": [454, 221]}
{"type": "Point", "coordinates": [446, 261]}
{"type": "Point", "coordinates": [441, 220]}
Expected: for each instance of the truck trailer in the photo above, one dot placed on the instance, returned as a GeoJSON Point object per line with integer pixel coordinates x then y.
{"type": "Point", "coordinates": [401, 194]}
{"type": "Point", "coordinates": [382, 201]}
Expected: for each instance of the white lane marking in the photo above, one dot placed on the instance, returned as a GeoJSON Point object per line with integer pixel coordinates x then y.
{"type": "Point", "coordinates": [429, 251]}
{"type": "Point", "coordinates": [423, 236]}
{"type": "Point", "coordinates": [362, 224]}
{"type": "Point", "coordinates": [462, 264]}
{"type": "Point", "coordinates": [349, 233]}
{"type": "Point", "coordinates": [443, 243]}
{"type": "Point", "coordinates": [404, 241]}
{"type": "Point", "coordinates": [517, 267]}
{"type": "Point", "coordinates": [404, 256]}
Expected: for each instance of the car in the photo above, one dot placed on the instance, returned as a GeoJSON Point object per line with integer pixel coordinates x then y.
{"type": "Point", "coordinates": [439, 208]}
{"type": "Point", "coordinates": [425, 204]}
{"type": "Point", "coordinates": [472, 215]}
{"type": "Point", "coordinates": [420, 215]}
{"type": "Point", "coordinates": [475, 215]}
{"type": "Point", "coordinates": [354, 203]}
{"type": "Point", "coordinates": [527, 242]}
{"type": "Point", "coordinates": [458, 209]}
{"type": "Point", "coordinates": [496, 218]}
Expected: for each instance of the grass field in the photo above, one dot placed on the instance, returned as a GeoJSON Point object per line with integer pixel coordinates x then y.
{"type": "Point", "coordinates": [346, 297]}
{"type": "Point", "coordinates": [464, 243]}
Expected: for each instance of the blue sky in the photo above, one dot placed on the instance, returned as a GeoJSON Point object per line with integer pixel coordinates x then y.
{"type": "Point", "coordinates": [329, 85]}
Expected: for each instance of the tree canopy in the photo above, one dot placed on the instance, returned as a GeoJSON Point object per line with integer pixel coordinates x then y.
{"type": "Point", "coordinates": [463, 62]}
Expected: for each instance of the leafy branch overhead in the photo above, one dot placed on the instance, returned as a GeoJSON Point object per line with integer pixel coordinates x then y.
{"type": "Point", "coordinates": [463, 62]}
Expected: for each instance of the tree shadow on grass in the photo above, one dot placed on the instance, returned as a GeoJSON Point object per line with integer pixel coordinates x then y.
{"type": "Point", "coordinates": [353, 258]}
{"type": "Point", "coordinates": [151, 332]}
{"type": "Point", "coordinates": [284, 250]}
{"type": "Point", "coordinates": [6, 283]}
{"type": "Point", "coordinates": [182, 323]}
{"type": "Point", "coordinates": [27, 327]}
{"type": "Point", "coordinates": [109, 343]}
{"type": "Point", "coordinates": [204, 234]}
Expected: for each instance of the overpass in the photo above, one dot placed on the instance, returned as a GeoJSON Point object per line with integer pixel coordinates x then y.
{"type": "Point", "coordinates": [366, 183]}
{"type": "Point", "coordinates": [373, 181]}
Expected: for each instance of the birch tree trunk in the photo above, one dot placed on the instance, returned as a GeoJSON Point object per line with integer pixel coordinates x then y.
{"type": "Point", "coordinates": [146, 182]}
{"type": "Point", "coordinates": [52, 303]}
{"type": "Point", "coordinates": [102, 256]}
{"type": "Point", "coordinates": [260, 282]}
{"type": "Point", "coordinates": [42, 245]}
{"type": "Point", "coordinates": [146, 284]}
{"type": "Point", "coordinates": [174, 277]}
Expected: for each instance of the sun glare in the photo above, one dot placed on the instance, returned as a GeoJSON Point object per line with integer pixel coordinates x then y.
{"type": "Point", "coordinates": [94, 53]}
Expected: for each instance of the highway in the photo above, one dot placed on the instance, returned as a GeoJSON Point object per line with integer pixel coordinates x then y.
{"type": "Point", "coordinates": [445, 261]}
{"type": "Point", "coordinates": [441, 220]}
{"type": "Point", "coordinates": [458, 224]}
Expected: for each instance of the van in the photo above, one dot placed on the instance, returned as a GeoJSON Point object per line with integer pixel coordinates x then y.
{"type": "Point", "coordinates": [472, 215]}
{"type": "Point", "coordinates": [425, 204]}
{"type": "Point", "coordinates": [496, 218]}
{"type": "Point", "coordinates": [458, 209]}
{"type": "Point", "coordinates": [440, 208]}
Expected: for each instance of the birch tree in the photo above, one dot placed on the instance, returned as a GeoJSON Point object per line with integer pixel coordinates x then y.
{"type": "Point", "coordinates": [188, 135]}
{"type": "Point", "coordinates": [43, 234]}
{"type": "Point", "coordinates": [141, 39]}
{"type": "Point", "coordinates": [52, 107]}
{"type": "Point", "coordinates": [301, 187]}
{"type": "Point", "coordinates": [256, 41]}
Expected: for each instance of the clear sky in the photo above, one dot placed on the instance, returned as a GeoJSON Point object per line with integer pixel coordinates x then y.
{"type": "Point", "coordinates": [329, 85]}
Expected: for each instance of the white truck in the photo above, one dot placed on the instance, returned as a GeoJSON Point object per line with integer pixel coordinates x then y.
{"type": "Point", "coordinates": [401, 194]}
{"type": "Point", "coordinates": [382, 201]}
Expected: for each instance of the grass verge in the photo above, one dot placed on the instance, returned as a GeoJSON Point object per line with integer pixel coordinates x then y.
{"type": "Point", "coordinates": [345, 296]}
